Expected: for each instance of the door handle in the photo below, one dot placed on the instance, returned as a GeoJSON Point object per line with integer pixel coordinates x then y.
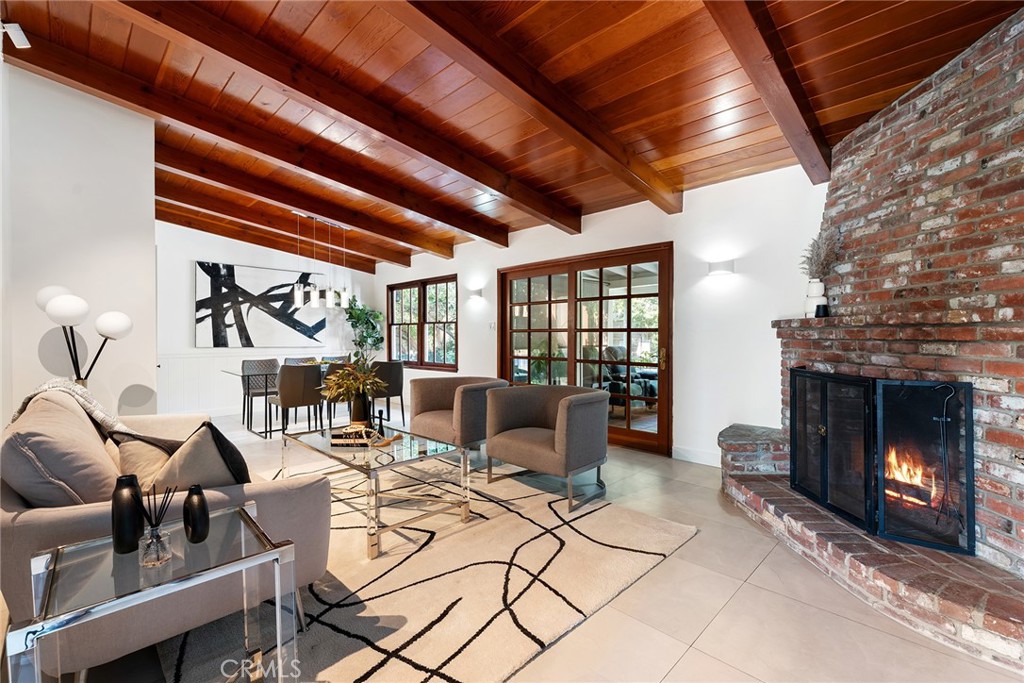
{"type": "Point", "coordinates": [662, 355]}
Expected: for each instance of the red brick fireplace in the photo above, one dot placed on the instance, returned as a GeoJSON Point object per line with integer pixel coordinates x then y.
{"type": "Point", "coordinates": [928, 198]}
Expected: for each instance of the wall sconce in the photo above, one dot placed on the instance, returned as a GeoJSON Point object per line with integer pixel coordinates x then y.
{"type": "Point", "coordinates": [722, 267]}
{"type": "Point", "coordinates": [476, 295]}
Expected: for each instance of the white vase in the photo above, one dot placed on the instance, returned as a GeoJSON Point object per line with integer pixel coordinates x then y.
{"type": "Point", "coordinates": [815, 297]}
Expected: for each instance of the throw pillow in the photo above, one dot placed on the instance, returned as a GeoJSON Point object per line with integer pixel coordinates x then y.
{"type": "Point", "coordinates": [207, 458]}
{"type": "Point", "coordinates": [52, 458]}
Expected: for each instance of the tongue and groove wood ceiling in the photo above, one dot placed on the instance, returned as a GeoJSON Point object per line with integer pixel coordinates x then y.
{"type": "Point", "coordinates": [407, 128]}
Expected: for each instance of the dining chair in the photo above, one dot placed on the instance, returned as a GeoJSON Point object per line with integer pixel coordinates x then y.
{"type": "Point", "coordinates": [300, 361]}
{"type": "Point", "coordinates": [298, 386]}
{"type": "Point", "coordinates": [259, 378]}
{"type": "Point", "coordinates": [391, 372]}
{"type": "Point", "coordinates": [347, 358]}
{"type": "Point", "coordinates": [332, 402]}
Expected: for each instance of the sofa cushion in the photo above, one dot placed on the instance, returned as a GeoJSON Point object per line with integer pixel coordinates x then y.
{"type": "Point", "coordinates": [53, 457]}
{"type": "Point", "coordinates": [529, 447]}
{"type": "Point", "coordinates": [435, 424]}
{"type": "Point", "coordinates": [207, 458]}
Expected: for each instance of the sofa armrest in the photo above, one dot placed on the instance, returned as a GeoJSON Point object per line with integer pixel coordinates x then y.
{"type": "Point", "coordinates": [470, 411]}
{"type": "Point", "coordinates": [581, 429]}
{"type": "Point", "coordinates": [169, 426]}
{"type": "Point", "coordinates": [296, 509]}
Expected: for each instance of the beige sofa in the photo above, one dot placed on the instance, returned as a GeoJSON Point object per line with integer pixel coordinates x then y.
{"type": "Point", "coordinates": [296, 509]}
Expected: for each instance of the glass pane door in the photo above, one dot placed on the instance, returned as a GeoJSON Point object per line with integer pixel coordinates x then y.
{"type": "Point", "coordinates": [598, 322]}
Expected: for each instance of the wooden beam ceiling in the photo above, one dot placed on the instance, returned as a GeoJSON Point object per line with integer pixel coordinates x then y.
{"type": "Point", "coordinates": [257, 215]}
{"type": "Point", "coordinates": [455, 34]}
{"type": "Point", "coordinates": [75, 70]}
{"type": "Point", "coordinates": [190, 25]}
{"type": "Point", "coordinates": [751, 33]}
{"type": "Point", "coordinates": [228, 178]}
{"type": "Point", "coordinates": [189, 218]}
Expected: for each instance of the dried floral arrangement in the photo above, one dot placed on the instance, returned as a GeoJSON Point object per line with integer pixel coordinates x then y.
{"type": "Point", "coordinates": [821, 255]}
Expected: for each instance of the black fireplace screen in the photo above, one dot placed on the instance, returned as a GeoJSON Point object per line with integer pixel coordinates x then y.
{"type": "Point", "coordinates": [894, 457]}
{"type": "Point", "coordinates": [925, 463]}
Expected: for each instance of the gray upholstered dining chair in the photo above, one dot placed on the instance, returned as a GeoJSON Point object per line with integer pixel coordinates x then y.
{"type": "Point", "coordinates": [298, 386]}
{"type": "Point", "coordinates": [451, 409]}
{"type": "Point", "coordinates": [391, 372]}
{"type": "Point", "coordinates": [305, 360]}
{"type": "Point", "coordinates": [556, 430]}
{"type": "Point", "coordinates": [259, 378]}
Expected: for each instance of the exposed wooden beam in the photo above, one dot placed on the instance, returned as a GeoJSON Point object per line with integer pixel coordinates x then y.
{"type": "Point", "coordinates": [258, 216]}
{"type": "Point", "coordinates": [72, 69]}
{"type": "Point", "coordinates": [751, 33]}
{"type": "Point", "coordinates": [233, 180]}
{"type": "Point", "coordinates": [189, 218]}
{"type": "Point", "coordinates": [191, 26]}
{"type": "Point", "coordinates": [483, 54]}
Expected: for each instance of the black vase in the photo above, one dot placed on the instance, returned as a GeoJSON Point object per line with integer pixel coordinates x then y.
{"type": "Point", "coordinates": [196, 515]}
{"type": "Point", "coordinates": [361, 411]}
{"type": "Point", "coordinates": [126, 521]}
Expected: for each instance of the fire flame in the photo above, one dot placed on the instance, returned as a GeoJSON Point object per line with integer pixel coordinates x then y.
{"type": "Point", "coordinates": [907, 468]}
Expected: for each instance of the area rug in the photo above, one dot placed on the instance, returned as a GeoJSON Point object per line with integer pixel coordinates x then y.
{"type": "Point", "coordinates": [452, 601]}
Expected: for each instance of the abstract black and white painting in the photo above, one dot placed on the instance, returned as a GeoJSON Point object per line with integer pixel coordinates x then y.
{"type": "Point", "coordinates": [243, 306]}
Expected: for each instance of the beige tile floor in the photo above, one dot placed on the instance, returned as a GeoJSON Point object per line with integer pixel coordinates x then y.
{"type": "Point", "coordinates": [733, 604]}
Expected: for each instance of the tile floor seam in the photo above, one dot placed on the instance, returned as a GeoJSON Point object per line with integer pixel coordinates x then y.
{"type": "Point", "coordinates": [694, 647]}
{"type": "Point", "coordinates": [688, 648]}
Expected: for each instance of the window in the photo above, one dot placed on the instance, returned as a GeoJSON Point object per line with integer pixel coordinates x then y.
{"type": "Point", "coordinates": [423, 323]}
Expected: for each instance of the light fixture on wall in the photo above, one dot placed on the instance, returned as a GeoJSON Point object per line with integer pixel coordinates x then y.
{"type": "Point", "coordinates": [69, 311]}
{"type": "Point", "coordinates": [17, 35]}
{"type": "Point", "coordinates": [476, 295]}
{"type": "Point", "coordinates": [721, 267]}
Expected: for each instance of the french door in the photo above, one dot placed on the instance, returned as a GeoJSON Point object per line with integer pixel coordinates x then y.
{"type": "Point", "coordinates": [602, 321]}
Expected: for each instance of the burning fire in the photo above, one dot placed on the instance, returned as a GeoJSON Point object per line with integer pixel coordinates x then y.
{"type": "Point", "coordinates": [907, 470]}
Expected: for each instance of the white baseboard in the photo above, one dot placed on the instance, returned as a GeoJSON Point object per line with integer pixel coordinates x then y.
{"type": "Point", "coordinates": [701, 457]}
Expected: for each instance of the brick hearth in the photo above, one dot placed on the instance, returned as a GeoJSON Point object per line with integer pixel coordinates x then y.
{"type": "Point", "coordinates": [961, 601]}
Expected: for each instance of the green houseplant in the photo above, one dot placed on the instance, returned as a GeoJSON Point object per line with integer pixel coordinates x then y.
{"type": "Point", "coordinates": [357, 382]}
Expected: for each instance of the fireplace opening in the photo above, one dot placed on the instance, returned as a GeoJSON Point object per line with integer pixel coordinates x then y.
{"type": "Point", "coordinates": [893, 457]}
{"type": "Point", "coordinates": [926, 467]}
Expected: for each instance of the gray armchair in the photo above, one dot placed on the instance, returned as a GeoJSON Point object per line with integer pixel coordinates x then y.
{"type": "Point", "coordinates": [452, 409]}
{"type": "Point", "coordinates": [556, 430]}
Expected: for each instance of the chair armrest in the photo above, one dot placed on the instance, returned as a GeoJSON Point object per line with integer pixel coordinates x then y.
{"type": "Point", "coordinates": [470, 411]}
{"type": "Point", "coordinates": [581, 430]}
{"type": "Point", "coordinates": [169, 426]}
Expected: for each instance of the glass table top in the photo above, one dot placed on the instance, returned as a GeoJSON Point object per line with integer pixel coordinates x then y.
{"type": "Point", "coordinates": [407, 448]}
{"type": "Point", "coordinates": [91, 573]}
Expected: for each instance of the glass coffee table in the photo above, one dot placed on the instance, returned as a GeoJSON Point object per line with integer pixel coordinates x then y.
{"type": "Point", "coordinates": [80, 582]}
{"type": "Point", "coordinates": [365, 464]}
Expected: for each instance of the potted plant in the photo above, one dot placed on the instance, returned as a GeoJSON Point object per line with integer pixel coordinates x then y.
{"type": "Point", "coordinates": [355, 383]}
{"type": "Point", "coordinates": [819, 258]}
{"type": "Point", "coordinates": [366, 333]}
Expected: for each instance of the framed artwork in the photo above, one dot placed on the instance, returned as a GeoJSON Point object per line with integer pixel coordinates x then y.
{"type": "Point", "coordinates": [245, 306]}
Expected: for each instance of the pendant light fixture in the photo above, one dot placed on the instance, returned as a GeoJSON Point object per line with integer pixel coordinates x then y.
{"type": "Point", "coordinates": [298, 293]}
{"type": "Point", "coordinates": [330, 298]}
{"type": "Point", "coordinates": [314, 288]}
{"type": "Point", "coordinates": [345, 297]}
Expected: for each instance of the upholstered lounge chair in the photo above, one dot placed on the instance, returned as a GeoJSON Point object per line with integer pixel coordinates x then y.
{"type": "Point", "coordinates": [451, 409]}
{"type": "Point", "coordinates": [556, 430]}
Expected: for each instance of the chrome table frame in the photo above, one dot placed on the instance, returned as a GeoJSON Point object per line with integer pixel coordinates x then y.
{"type": "Point", "coordinates": [24, 659]}
{"type": "Point", "coordinates": [268, 430]}
{"type": "Point", "coordinates": [369, 477]}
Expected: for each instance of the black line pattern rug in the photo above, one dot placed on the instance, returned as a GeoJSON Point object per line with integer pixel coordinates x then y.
{"type": "Point", "coordinates": [452, 601]}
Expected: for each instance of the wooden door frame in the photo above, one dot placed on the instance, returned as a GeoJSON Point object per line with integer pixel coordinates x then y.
{"type": "Point", "coordinates": [663, 253]}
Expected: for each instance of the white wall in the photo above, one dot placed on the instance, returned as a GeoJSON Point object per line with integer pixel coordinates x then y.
{"type": "Point", "coordinates": [191, 379]}
{"type": "Point", "coordinates": [726, 356]}
{"type": "Point", "coordinates": [78, 212]}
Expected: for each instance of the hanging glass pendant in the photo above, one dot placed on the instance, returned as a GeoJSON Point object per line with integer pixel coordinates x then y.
{"type": "Point", "coordinates": [330, 296]}
{"type": "Point", "coordinates": [298, 296]}
{"type": "Point", "coordinates": [314, 297]}
{"type": "Point", "coordinates": [345, 297]}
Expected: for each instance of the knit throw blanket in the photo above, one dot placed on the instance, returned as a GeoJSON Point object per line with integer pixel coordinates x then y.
{"type": "Point", "coordinates": [106, 421]}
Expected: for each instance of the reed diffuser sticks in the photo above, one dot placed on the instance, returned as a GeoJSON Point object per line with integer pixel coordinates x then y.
{"type": "Point", "coordinates": [154, 512]}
